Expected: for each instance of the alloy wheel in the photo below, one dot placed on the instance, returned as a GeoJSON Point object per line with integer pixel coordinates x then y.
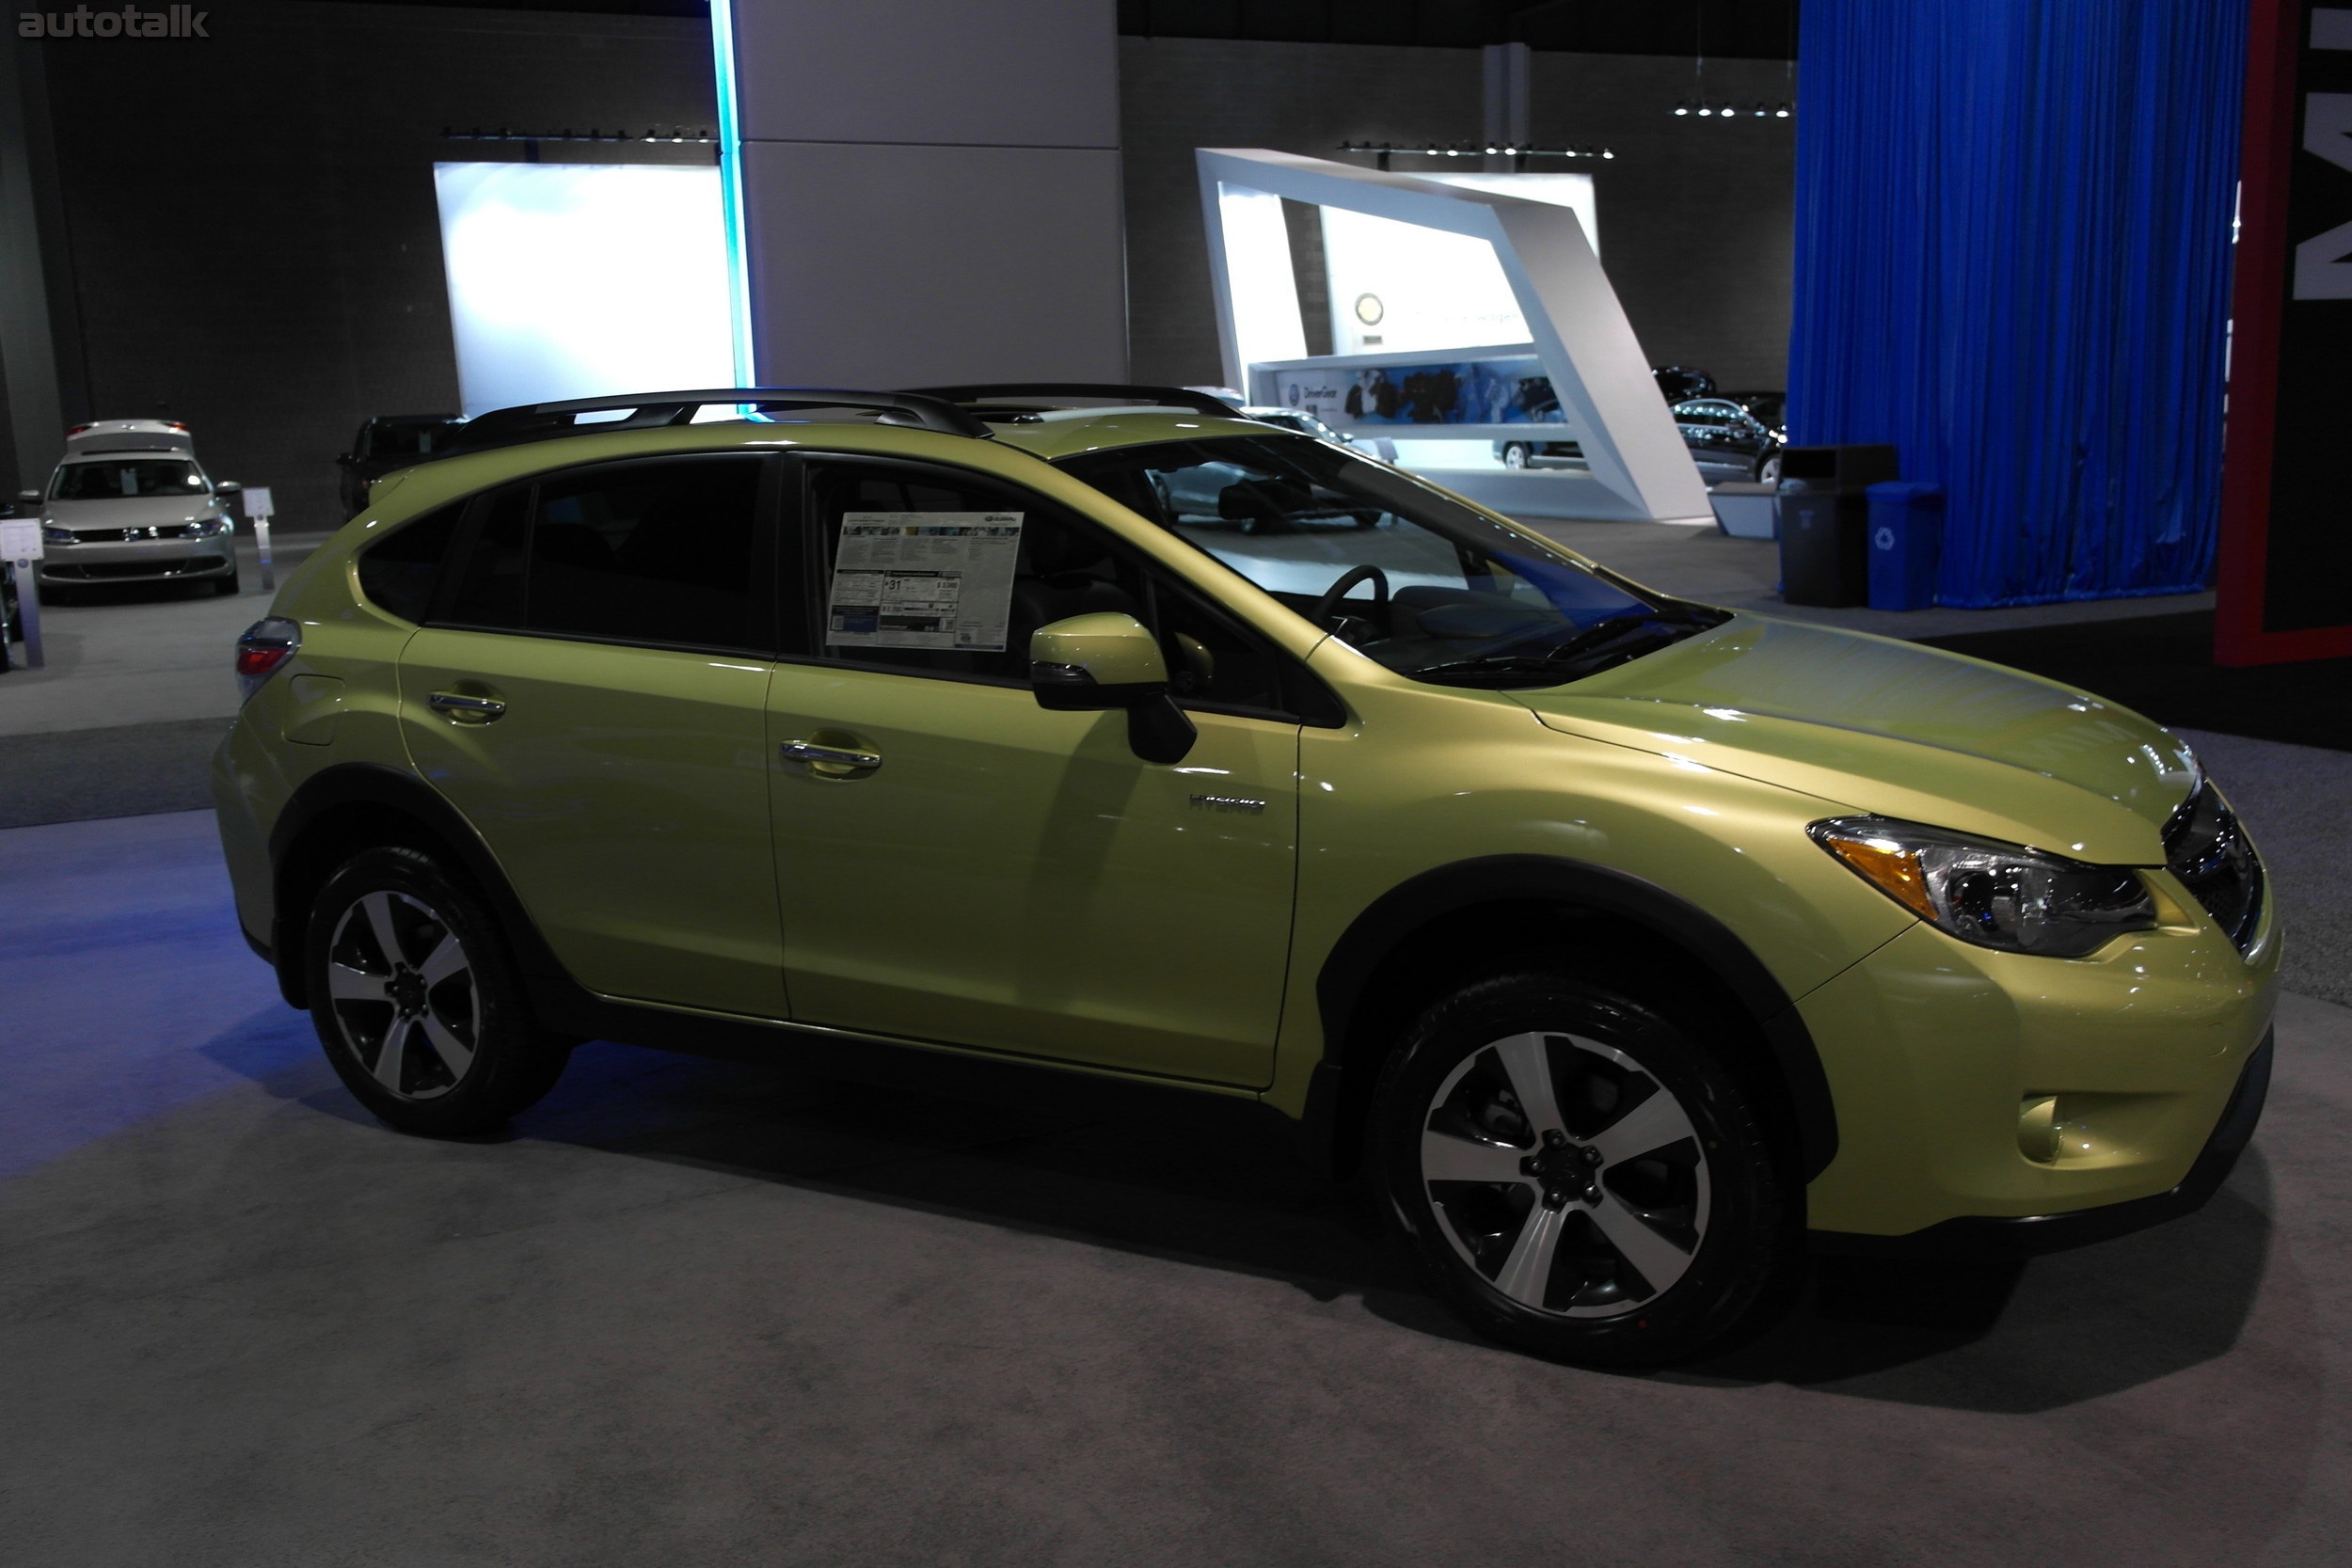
{"type": "Point", "coordinates": [402, 990]}
{"type": "Point", "coordinates": [1569, 1177]}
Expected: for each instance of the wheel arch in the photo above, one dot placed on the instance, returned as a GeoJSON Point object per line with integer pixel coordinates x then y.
{"type": "Point", "coordinates": [353, 806]}
{"type": "Point", "coordinates": [1465, 917]}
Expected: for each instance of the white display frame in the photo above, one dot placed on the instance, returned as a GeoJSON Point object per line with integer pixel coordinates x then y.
{"type": "Point", "coordinates": [1579, 333]}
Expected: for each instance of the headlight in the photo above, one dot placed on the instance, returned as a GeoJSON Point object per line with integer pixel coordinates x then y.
{"type": "Point", "coordinates": [51, 535]}
{"type": "Point", "coordinates": [2204, 846]}
{"type": "Point", "coordinates": [2002, 895]}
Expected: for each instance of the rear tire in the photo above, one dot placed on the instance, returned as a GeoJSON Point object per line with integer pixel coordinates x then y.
{"type": "Point", "coordinates": [1583, 1178]}
{"type": "Point", "coordinates": [1515, 455]}
{"type": "Point", "coordinates": [417, 999]}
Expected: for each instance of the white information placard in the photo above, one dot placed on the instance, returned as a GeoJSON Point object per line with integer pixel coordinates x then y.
{"type": "Point", "coordinates": [924, 579]}
{"type": "Point", "coordinates": [20, 539]}
{"type": "Point", "coordinates": [258, 503]}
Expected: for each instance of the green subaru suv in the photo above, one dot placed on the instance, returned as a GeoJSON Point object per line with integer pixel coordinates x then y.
{"type": "Point", "coordinates": [1032, 738]}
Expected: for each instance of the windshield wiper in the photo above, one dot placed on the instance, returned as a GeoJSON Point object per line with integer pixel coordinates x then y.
{"type": "Point", "coordinates": [1559, 664]}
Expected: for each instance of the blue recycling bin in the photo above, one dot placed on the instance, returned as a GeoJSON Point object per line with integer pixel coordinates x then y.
{"type": "Point", "coordinates": [1906, 544]}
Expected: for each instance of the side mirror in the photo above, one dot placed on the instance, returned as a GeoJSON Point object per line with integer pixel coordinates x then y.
{"type": "Point", "coordinates": [1091, 663]}
{"type": "Point", "coordinates": [227, 488]}
{"type": "Point", "coordinates": [29, 495]}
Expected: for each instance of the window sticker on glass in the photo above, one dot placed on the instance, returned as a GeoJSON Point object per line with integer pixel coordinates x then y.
{"type": "Point", "coordinates": [924, 579]}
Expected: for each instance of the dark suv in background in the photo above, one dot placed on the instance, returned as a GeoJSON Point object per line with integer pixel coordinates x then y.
{"type": "Point", "coordinates": [392, 441]}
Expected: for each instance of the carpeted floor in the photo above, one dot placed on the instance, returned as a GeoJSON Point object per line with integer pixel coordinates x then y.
{"type": "Point", "coordinates": [693, 1313]}
{"type": "Point", "coordinates": [122, 770]}
{"type": "Point", "coordinates": [2162, 665]}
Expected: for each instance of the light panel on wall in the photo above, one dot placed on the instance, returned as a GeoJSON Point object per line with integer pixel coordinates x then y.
{"type": "Point", "coordinates": [1264, 288]}
{"type": "Point", "coordinates": [1398, 287]}
{"type": "Point", "coordinates": [572, 281]}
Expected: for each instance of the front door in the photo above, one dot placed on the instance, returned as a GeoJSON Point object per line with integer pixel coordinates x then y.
{"type": "Point", "coordinates": [591, 695]}
{"type": "Point", "coordinates": [1005, 877]}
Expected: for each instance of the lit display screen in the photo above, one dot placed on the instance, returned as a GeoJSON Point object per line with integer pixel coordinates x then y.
{"type": "Point", "coordinates": [1397, 287]}
{"type": "Point", "coordinates": [573, 280]}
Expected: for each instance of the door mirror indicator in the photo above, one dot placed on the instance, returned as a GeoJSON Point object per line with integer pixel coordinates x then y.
{"type": "Point", "coordinates": [1091, 663]}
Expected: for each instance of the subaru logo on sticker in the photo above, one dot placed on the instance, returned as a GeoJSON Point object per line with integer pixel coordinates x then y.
{"type": "Point", "coordinates": [1883, 539]}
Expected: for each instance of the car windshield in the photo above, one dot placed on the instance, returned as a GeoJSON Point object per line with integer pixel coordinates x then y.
{"type": "Point", "coordinates": [1418, 581]}
{"type": "Point", "coordinates": [112, 478]}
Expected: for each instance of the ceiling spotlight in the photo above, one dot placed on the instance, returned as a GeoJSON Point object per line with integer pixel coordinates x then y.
{"type": "Point", "coordinates": [1762, 112]}
{"type": "Point", "coordinates": [1606, 154]}
{"type": "Point", "coordinates": [1781, 113]}
{"type": "Point", "coordinates": [1683, 107]}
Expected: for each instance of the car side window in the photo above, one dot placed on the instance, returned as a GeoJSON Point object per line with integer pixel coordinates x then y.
{"type": "Point", "coordinates": [931, 572]}
{"type": "Point", "coordinates": [665, 551]}
{"type": "Point", "coordinates": [400, 571]}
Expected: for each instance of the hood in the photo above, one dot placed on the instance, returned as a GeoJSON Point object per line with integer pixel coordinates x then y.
{"type": "Point", "coordinates": [129, 510]}
{"type": "Point", "coordinates": [1893, 728]}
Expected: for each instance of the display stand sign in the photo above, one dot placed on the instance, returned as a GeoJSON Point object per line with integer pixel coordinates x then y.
{"type": "Point", "coordinates": [20, 545]}
{"type": "Point", "coordinates": [2286, 516]}
{"type": "Point", "coordinates": [258, 509]}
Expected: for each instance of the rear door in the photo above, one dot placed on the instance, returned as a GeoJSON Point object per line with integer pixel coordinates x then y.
{"type": "Point", "coordinates": [589, 693]}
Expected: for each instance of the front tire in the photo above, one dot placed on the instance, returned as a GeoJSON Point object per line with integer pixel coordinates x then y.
{"type": "Point", "coordinates": [417, 1001]}
{"type": "Point", "coordinates": [228, 585]}
{"type": "Point", "coordinates": [1515, 455]}
{"type": "Point", "coordinates": [1583, 1178]}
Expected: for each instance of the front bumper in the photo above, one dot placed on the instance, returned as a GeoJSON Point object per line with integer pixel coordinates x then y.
{"type": "Point", "coordinates": [1983, 1095]}
{"type": "Point", "coordinates": [1978, 1236]}
{"type": "Point", "coordinates": [140, 561]}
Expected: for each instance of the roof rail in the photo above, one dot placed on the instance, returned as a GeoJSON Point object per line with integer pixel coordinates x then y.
{"type": "Point", "coordinates": [543, 422]}
{"type": "Point", "coordinates": [994, 391]}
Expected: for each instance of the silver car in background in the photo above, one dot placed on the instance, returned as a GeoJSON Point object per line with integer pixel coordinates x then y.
{"type": "Point", "coordinates": [130, 504]}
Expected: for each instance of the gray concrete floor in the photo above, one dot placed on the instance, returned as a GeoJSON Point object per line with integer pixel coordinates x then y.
{"type": "Point", "coordinates": [697, 1313]}
{"type": "Point", "coordinates": [141, 654]}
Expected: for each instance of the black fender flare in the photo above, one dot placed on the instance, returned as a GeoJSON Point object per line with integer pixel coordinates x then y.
{"type": "Point", "coordinates": [1354, 961]}
{"type": "Point", "coordinates": [363, 784]}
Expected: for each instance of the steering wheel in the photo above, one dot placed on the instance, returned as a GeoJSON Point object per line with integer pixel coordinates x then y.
{"type": "Point", "coordinates": [1329, 603]}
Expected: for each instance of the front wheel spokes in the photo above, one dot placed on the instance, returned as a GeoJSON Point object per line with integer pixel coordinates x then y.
{"type": "Point", "coordinates": [1658, 1261]}
{"type": "Point", "coordinates": [393, 1054]}
{"type": "Point", "coordinates": [1447, 1158]}
{"type": "Point", "coordinates": [1653, 1124]}
{"type": "Point", "coordinates": [346, 984]}
{"type": "Point", "coordinates": [1527, 1062]}
{"type": "Point", "coordinates": [1526, 1275]}
{"type": "Point", "coordinates": [378, 907]}
{"type": "Point", "coordinates": [455, 1054]}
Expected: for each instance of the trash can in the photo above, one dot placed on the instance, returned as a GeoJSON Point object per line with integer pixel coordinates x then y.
{"type": "Point", "coordinates": [1825, 522]}
{"type": "Point", "coordinates": [1906, 544]}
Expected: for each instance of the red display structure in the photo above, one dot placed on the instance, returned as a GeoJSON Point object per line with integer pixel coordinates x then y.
{"type": "Point", "coordinates": [2286, 490]}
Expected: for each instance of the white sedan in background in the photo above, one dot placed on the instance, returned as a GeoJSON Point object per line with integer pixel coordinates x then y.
{"type": "Point", "coordinates": [130, 503]}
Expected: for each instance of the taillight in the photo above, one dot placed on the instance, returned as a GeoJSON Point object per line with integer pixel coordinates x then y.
{"type": "Point", "coordinates": [265, 645]}
{"type": "Point", "coordinates": [79, 428]}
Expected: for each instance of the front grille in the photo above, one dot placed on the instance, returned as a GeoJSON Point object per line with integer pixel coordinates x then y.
{"type": "Point", "coordinates": [2207, 848]}
{"type": "Point", "coordinates": [112, 569]}
{"type": "Point", "coordinates": [134, 536]}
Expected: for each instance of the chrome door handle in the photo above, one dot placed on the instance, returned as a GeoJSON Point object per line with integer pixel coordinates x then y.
{"type": "Point", "coordinates": [830, 760]}
{"type": "Point", "coordinates": [466, 710]}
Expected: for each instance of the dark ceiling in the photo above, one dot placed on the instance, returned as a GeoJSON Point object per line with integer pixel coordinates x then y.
{"type": "Point", "coordinates": [1724, 29]}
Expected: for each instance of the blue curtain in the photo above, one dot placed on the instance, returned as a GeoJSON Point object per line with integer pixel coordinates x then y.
{"type": "Point", "coordinates": [2012, 262]}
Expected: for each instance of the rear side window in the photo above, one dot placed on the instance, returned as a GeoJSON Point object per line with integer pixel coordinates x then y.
{"type": "Point", "coordinates": [400, 571]}
{"type": "Point", "coordinates": [666, 552]}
